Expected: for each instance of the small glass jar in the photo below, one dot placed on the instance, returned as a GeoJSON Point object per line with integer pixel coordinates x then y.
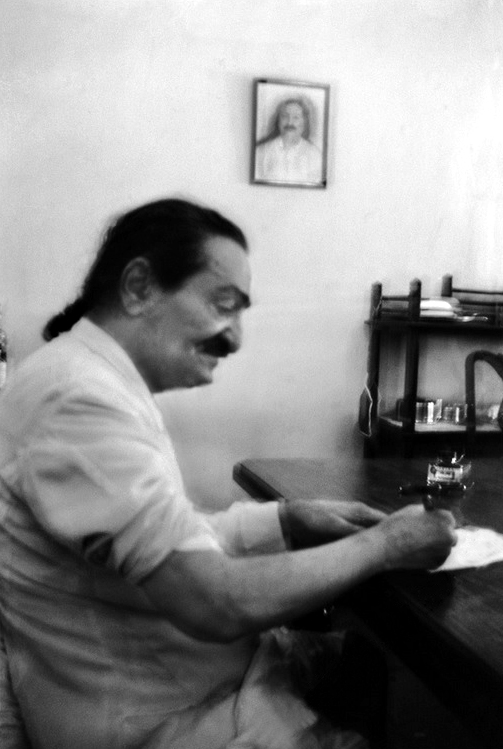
{"type": "Point", "coordinates": [449, 470]}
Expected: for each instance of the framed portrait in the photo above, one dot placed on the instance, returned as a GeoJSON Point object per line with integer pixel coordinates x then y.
{"type": "Point", "coordinates": [290, 133]}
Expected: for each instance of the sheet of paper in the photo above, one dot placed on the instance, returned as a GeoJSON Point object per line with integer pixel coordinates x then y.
{"type": "Point", "coordinates": [476, 547]}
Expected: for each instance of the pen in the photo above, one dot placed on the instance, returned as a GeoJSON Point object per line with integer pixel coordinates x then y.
{"type": "Point", "coordinates": [434, 489]}
{"type": "Point", "coordinates": [429, 491]}
{"type": "Point", "coordinates": [425, 490]}
{"type": "Point", "coordinates": [428, 503]}
{"type": "Point", "coordinates": [408, 489]}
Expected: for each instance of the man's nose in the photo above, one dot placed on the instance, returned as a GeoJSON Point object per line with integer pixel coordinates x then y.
{"type": "Point", "coordinates": [233, 334]}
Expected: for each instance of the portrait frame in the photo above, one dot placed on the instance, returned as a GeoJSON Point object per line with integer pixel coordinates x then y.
{"type": "Point", "coordinates": [290, 133]}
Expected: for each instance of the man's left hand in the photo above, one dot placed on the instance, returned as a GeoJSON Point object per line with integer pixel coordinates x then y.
{"type": "Point", "coordinates": [312, 522]}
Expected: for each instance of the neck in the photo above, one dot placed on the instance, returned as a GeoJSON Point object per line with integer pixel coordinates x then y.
{"type": "Point", "coordinates": [113, 324]}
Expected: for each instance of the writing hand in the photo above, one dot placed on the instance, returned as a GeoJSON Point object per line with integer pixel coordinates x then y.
{"type": "Point", "coordinates": [416, 539]}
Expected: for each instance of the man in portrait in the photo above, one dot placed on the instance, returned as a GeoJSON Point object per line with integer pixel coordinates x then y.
{"type": "Point", "coordinates": [287, 154]}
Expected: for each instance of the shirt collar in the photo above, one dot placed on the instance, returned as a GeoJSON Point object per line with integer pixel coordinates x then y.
{"type": "Point", "coordinates": [105, 345]}
{"type": "Point", "coordinates": [293, 147]}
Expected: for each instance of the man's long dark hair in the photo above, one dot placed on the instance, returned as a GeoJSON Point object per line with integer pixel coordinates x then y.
{"type": "Point", "coordinates": [170, 233]}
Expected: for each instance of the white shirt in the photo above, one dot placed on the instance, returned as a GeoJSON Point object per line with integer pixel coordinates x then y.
{"type": "Point", "coordinates": [92, 500]}
{"type": "Point", "coordinates": [293, 163]}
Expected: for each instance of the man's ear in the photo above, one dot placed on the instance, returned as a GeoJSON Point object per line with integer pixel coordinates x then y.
{"type": "Point", "coordinates": [137, 286]}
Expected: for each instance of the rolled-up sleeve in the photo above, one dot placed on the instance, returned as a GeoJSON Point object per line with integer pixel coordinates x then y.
{"type": "Point", "coordinates": [249, 527]}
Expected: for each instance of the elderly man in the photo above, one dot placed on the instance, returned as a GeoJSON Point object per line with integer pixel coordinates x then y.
{"type": "Point", "coordinates": [287, 154]}
{"type": "Point", "coordinates": [130, 619]}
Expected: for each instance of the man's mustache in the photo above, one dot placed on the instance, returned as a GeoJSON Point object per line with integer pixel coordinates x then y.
{"type": "Point", "coordinates": [218, 345]}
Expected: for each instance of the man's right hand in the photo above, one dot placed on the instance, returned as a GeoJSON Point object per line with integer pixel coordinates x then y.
{"type": "Point", "coordinates": [417, 539]}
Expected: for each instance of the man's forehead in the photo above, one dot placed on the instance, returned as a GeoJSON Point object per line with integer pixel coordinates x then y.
{"type": "Point", "coordinates": [227, 266]}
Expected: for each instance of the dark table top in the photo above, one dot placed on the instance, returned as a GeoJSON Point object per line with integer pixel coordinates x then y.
{"type": "Point", "coordinates": [446, 626]}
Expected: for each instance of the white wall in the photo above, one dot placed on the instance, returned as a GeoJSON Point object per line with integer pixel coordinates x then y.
{"type": "Point", "coordinates": [109, 104]}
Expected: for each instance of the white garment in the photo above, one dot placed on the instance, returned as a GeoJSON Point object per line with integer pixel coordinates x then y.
{"type": "Point", "coordinates": [91, 501]}
{"type": "Point", "coordinates": [96, 502]}
{"type": "Point", "coordinates": [294, 163]}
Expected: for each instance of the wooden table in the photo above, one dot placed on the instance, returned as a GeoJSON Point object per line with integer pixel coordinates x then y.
{"type": "Point", "coordinates": [447, 627]}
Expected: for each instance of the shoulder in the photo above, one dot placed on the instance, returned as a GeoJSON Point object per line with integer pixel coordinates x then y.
{"type": "Point", "coordinates": [309, 147]}
{"type": "Point", "coordinates": [268, 145]}
{"type": "Point", "coordinates": [59, 363]}
{"type": "Point", "coordinates": [67, 371]}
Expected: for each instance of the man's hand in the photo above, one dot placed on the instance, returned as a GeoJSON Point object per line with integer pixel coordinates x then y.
{"type": "Point", "coordinates": [312, 522]}
{"type": "Point", "coordinates": [416, 539]}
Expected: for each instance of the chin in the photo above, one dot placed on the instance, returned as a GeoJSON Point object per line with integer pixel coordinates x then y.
{"type": "Point", "coordinates": [201, 378]}
{"type": "Point", "coordinates": [184, 383]}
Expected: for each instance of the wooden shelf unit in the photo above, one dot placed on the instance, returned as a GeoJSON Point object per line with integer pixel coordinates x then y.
{"type": "Point", "coordinates": [400, 315]}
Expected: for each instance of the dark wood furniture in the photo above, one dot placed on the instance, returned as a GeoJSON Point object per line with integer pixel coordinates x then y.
{"type": "Point", "coordinates": [446, 627]}
{"type": "Point", "coordinates": [399, 317]}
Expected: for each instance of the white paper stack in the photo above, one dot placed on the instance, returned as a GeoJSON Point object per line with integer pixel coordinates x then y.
{"type": "Point", "coordinates": [445, 307]}
{"type": "Point", "coordinates": [476, 547]}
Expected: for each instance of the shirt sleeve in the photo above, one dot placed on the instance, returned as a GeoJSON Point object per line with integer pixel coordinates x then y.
{"type": "Point", "coordinates": [106, 483]}
{"type": "Point", "coordinates": [249, 527]}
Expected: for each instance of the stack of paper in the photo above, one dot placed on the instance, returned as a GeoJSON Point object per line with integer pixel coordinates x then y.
{"type": "Point", "coordinates": [476, 547]}
{"type": "Point", "coordinates": [440, 307]}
